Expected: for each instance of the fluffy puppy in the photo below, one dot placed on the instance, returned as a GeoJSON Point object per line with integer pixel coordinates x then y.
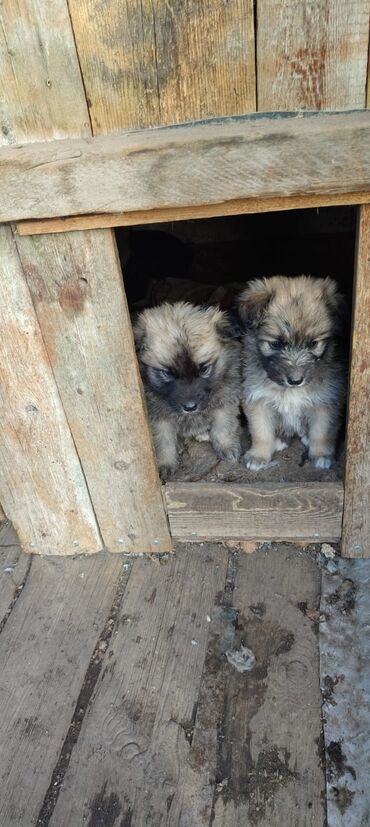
{"type": "Point", "coordinates": [190, 366]}
{"type": "Point", "coordinates": [294, 377]}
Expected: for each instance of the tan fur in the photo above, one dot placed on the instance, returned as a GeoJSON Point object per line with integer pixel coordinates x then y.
{"type": "Point", "coordinates": [294, 380]}
{"type": "Point", "coordinates": [178, 341]}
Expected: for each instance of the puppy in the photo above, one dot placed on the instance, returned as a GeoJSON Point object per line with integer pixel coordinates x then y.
{"type": "Point", "coordinates": [190, 366]}
{"type": "Point", "coordinates": [294, 377]}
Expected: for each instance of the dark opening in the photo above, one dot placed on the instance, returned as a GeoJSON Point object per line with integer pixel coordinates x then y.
{"type": "Point", "coordinates": [209, 261]}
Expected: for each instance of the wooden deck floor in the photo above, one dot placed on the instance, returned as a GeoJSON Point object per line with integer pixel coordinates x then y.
{"type": "Point", "coordinates": [123, 696]}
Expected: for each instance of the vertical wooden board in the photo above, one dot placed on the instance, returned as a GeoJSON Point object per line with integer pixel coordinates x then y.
{"type": "Point", "coordinates": [356, 514]}
{"type": "Point", "coordinates": [42, 487]}
{"type": "Point", "coordinates": [77, 290]}
{"type": "Point", "coordinates": [312, 55]}
{"type": "Point", "coordinates": [153, 62]}
{"type": "Point", "coordinates": [50, 656]}
{"type": "Point", "coordinates": [41, 90]}
{"type": "Point", "coordinates": [255, 752]}
{"type": "Point", "coordinates": [131, 756]}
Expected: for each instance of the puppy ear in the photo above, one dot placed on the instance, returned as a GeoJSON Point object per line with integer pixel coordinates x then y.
{"type": "Point", "coordinates": [335, 303]}
{"type": "Point", "coordinates": [139, 328]}
{"type": "Point", "coordinates": [254, 300]}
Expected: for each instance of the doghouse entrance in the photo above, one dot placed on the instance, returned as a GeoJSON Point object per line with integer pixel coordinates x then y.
{"type": "Point", "coordinates": [209, 261]}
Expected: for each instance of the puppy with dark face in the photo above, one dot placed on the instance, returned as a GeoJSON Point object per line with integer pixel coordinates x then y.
{"type": "Point", "coordinates": [294, 377]}
{"type": "Point", "coordinates": [190, 366]}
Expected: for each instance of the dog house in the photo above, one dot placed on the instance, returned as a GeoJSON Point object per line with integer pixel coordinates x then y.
{"type": "Point", "coordinates": [122, 114]}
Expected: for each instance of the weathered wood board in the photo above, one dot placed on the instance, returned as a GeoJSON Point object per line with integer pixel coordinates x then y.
{"type": "Point", "coordinates": [14, 567]}
{"type": "Point", "coordinates": [312, 55]}
{"type": "Point", "coordinates": [150, 64]}
{"type": "Point", "coordinates": [41, 89]}
{"type": "Point", "coordinates": [236, 207]}
{"type": "Point", "coordinates": [133, 745]}
{"type": "Point", "coordinates": [356, 515]}
{"type": "Point", "coordinates": [42, 486]}
{"type": "Point", "coordinates": [175, 734]}
{"type": "Point", "coordinates": [284, 511]}
{"type": "Point", "coordinates": [77, 290]}
{"type": "Point", "coordinates": [45, 651]}
{"type": "Point", "coordinates": [254, 757]}
{"type": "Point", "coordinates": [190, 165]}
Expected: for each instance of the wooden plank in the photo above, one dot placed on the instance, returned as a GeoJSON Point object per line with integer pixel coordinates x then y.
{"type": "Point", "coordinates": [287, 511]}
{"type": "Point", "coordinates": [77, 290]}
{"type": "Point", "coordinates": [42, 487]}
{"type": "Point", "coordinates": [133, 747]}
{"type": "Point", "coordinates": [186, 166]}
{"type": "Point", "coordinates": [345, 681]}
{"type": "Point", "coordinates": [239, 206]}
{"type": "Point", "coordinates": [45, 649]}
{"type": "Point", "coordinates": [150, 64]}
{"type": "Point", "coordinates": [312, 55]}
{"type": "Point", "coordinates": [356, 515]}
{"type": "Point", "coordinates": [254, 758]}
{"type": "Point", "coordinates": [14, 568]}
{"type": "Point", "coordinates": [41, 91]}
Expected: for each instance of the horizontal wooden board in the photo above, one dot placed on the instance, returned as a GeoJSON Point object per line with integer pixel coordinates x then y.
{"type": "Point", "coordinates": [206, 163]}
{"type": "Point", "coordinates": [239, 206]}
{"type": "Point", "coordinates": [209, 511]}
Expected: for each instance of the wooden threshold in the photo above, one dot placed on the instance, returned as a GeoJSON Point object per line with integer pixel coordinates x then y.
{"type": "Point", "coordinates": [239, 206]}
{"type": "Point", "coordinates": [219, 511]}
{"type": "Point", "coordinates": [264, 156]}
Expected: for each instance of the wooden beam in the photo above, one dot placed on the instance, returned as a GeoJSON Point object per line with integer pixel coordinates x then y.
{"type": "Point", "coordinates": [356, 517]}
{"type": "Point", "coordinates": [239, 206]}
{"type": "Point", "coordinates": [42, 486]}
{"type": "Point", "coordinates": [210, 163]}
{"type": "Point", "coordinates": [310, 511]}
{"type": "Point", "coordinates": [76, 285]}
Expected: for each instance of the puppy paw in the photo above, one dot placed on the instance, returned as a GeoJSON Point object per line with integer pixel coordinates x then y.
{"type": "Point", "coordinates": [166, 471]}
{"type": "Point", "coordinates": [324, 463]}
{"type": "Point", "coordinates": [230, 454]}
{"type": "Point", "coordinates": [280, 445]}
{"type": "Point", "coordinates": [254, 462]}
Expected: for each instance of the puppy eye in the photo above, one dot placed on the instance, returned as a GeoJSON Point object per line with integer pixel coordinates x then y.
{"type": "Point", "coordinates": [205, 370]}
{"type": "Point", "coordinates": [166, 375]}
{"type": "Point", "coordinates": [276, 344]}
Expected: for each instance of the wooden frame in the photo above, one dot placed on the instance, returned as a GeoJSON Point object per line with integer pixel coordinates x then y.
{"type": "Point", "coordinates": [259, 156]}
{"type": "Point", "coordinates": [324, 175]}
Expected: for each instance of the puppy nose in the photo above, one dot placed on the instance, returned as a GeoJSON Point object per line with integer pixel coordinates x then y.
{"type": "Point", "coordinates": [190, 406]}
{"type": "Point", "coordinates": [292, 381]}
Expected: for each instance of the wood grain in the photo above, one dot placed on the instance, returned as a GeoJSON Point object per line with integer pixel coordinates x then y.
{"type": "Point", "coordinates": [77, 290]}
{"type": "Point", "coordinates": [45, 650]}
{"type": "Point", "coordinates": [239, 206]}
{"type": "Point", "coordinates": [254, 757]}
{"type": "Point", "coordinates": [356, 515]}
{"type": "Point", "coordinates": [131, 756]}
{"type": "Point", "coordinates": [209, 163]}
{"type": "Point", "coordinates": [41, 91]}
{"type": "Point", "coordinates": [154, 63]}
{"type": "Point", "coordinates": [42, 487]}
{"type": "Point", "coordinates": [14, 568]}
{"type": "Point", "coordinates": [310, 511]}
{"type": "Point", "coordinates": [312, 55]}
